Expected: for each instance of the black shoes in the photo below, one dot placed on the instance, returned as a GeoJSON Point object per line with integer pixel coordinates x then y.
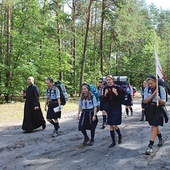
{"type": "Point", "coordinates": [91, 142]}
{"type": "Point", "coordinates": [43, 126]}
{"type": "Point", "coordinates": [104, 125]}
{"type": "Point", "coordinates": [85, 141]}
{"type": "Point", "coordinates": [160, 143]}
{"type": "Point", "coordinates": [119, 139]}
{"type": "Point", "coordinates": [112, 145]}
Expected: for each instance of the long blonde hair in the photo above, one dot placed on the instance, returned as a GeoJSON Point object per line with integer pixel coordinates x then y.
{"type": "Point", "coordinates": [89, 95]}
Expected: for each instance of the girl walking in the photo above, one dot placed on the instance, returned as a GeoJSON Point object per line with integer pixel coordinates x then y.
{"type": "Point", "coordinates": [153, 112]}
{"type": "Point", "coordinates": [129, 100]}
{"type": "Point", "coordinates": [87, 114]}
{"type": "Point", "coordinates": [143, 104]}
{"type": "Point", "coordinates": [113, 97]}
{"type": "Point", "coordinates": [101, 87]}
{"type": "Point", "coordinates": [52, 101]}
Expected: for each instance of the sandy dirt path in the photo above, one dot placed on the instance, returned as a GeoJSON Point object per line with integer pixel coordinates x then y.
{"type": "Point", "coordinates": [39, 151]}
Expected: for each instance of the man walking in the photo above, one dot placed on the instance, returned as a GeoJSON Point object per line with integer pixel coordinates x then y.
{"type": "Point", "coordinates": [33, 117]}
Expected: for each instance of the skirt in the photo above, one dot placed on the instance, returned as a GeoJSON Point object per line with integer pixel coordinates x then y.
{"type": "Point", "coordinates": [51, 114]}
{"type": "Point", "coordinates": [154, 114]}
{"type": "Point", "coordinates": [128, 100]}
{"type": "Point", "coordinates": [103, 106]}
{"type": "Point", "coordinates": [86, 122]}
{"type": "Point", "coordinates": [114, 116]}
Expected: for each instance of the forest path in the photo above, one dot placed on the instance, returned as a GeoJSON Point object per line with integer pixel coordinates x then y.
{"type": "Point", "coordinates": [38, 150]}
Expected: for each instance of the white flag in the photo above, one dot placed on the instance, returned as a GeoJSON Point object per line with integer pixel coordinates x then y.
{"type": "Point", "coordinates": [159, 71]}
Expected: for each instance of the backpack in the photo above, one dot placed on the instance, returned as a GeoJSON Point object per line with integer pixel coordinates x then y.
{"type": "Point", "coordinates": [124, 93]}
{"type": "Point", "coordinates": [63, 92]}
{"type": "Point", "coordinates": [94, 91]}
{"type": "Point", "coordinates": [165, 85]}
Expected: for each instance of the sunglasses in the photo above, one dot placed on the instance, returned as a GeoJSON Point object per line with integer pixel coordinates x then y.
{"type": "Point", "coordinates": [100, 82]}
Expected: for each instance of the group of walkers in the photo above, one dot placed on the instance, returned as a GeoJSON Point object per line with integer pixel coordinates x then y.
{"type": "Point", "coordinates": [111, 99]}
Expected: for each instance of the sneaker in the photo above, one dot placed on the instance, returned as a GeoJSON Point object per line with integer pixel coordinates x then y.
{"type": "Point", "coordinates": [112, 145]}
{"type": "Point", "coordinates": [149, 150]}
{"type": "Point", "coordinates": [160, 143]}
{"type": "Point", "coordinates": [55, 133]}
{"type": "Point", "coordinates": [85, 141]}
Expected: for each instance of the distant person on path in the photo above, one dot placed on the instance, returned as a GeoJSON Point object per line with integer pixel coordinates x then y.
{"type": "Point", "coordinates": [113, 97]}
{"type": "Point", "coordinates": [154, 112]}
{"type": "Point", "coordinates": [52, 101]}
{"type": "Point", "coordinates": [87, 114]}
{"type": "Point", "coordinates": [129, 100]}
{"type": "Point", "coordinates": [33, 117]}
{"type": "Point", "coordinates": [102, 104]}
{"type": "Point", "coordinates": [143, 104]}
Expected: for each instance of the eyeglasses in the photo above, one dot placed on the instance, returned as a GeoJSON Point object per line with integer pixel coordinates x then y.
{"type": "Point", "coordinates": [100, 82]}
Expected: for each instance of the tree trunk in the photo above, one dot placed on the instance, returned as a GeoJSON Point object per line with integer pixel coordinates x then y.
{"type": "Point", "coordinates": [74, 44]}
{"type": "Point", "coordinates": [95, 37]}
{"type": "Point", "coordinates": [2, 43]}
{"type": "Point", "coordinates": [102, 36]}
{"type": "Point", "coordinates": [59, 41]}
{"type": "Point", "coordinates": [85, 44]}
{"type": "Point", "coordinates": [7, 59]}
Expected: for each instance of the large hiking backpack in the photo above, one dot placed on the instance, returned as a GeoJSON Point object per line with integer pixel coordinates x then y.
{"type": "Point", "coordinates": [63, 92]}
{"type": "Point", "coordinates": [165, 85]}
{"type": "Point", "coordinates": [124, 93]}
{"type": "Point", "coordinates": [94, 90]}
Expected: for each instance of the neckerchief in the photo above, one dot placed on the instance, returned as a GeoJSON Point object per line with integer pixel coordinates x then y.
{"type": "Point", "coordinates": [85, 103]}
{"type": "Point", "coordinates": [110, 94]}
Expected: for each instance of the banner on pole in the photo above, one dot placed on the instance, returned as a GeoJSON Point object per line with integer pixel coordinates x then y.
{"type": "Point", "coordinates": [159, 71]}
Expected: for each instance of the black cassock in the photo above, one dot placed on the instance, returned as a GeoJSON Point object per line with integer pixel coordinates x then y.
{"type": "Point", "coordinates": [33, 119]}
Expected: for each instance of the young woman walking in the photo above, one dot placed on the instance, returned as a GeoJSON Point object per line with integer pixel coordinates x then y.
{"type": "Point", "coordinates": [101, 87]}
{"type": "Point", "coordinates": [113, 97]}
{"type": "Point", "coordinates": [143, 104]}
{"type": "Point", "coordinates": [129, 100]}
{"type": "Point", "coordinates": [154, 113]}
{"type": "Point", "coordinates": [52, 101]}
{"type": "Point", "coordinates": [87, 114]}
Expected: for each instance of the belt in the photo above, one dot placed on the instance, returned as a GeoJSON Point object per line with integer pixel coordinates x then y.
{"type": "Point", "coordinates": [152, 103]}
{"type": "Point", "coordinates": [53, 101]}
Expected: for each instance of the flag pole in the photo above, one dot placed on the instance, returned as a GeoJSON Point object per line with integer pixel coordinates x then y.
{"type": "Point", "coordinates": [157, 101]}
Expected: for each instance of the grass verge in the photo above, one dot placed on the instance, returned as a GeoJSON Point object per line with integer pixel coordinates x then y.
{"type": "Point", "coordinates": [14, 111]}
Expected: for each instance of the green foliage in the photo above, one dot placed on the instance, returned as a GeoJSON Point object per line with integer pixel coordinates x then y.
{"type": "Point", "coordinates": [41, 39]}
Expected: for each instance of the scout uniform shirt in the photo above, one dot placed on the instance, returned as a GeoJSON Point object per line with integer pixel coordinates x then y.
{"type": "Point", "coordinates": [88, 104]}
{"type": "Point", "coordinates": [148, 92]}
{"type": "Point", "coordinates": [53, 93]}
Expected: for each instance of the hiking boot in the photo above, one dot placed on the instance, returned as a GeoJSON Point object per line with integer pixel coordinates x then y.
{"type": "Point", "coordinates": [85, 141]}
{"type": "Point", "coordinates": [112, 145]}
{"type": "Point", "coordinates": [160, 143]}
{"type": "Point", "coordinates": [149, 150]}
{"type": "Point", "coordinates": [119, 139]}
{"type": "Point", "coordinates": [55, 133]}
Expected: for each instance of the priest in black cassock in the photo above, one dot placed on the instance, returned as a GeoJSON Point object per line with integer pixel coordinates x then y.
{"type": "Point", "coordinates": [33, 117]}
